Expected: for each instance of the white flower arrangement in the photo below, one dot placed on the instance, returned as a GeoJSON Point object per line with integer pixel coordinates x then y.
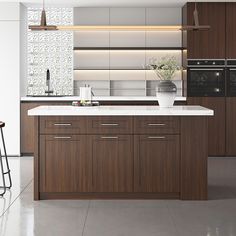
{"type": "Point", "coordinates": [164, 68]}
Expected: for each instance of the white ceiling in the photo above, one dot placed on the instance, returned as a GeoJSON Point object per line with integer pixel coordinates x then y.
{"type": "Point", "coordinates": [111, 3]}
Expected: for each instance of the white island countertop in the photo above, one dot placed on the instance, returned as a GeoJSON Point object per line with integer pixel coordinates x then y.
{"type": "Point", "coordinates": [102, 98]}
{"type": "Point", "coordinates": [120, 111]}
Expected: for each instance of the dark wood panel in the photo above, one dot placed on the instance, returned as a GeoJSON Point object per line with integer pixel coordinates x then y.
{"type": "Point", "coordinates": [156, 125]}
{"type": "Point", "coordinates": [194, 158]}
{"type": "Point", "coordinates": [110, 125]}
{"type": "Point", "coordinates": [62, 125]}
{"type": "Point", "coordinates": [156, 166]}
{"type": "Point", "coordinates": [216, 127]}
{"type": "Point", "coordinates": [230, 30]}
{"type": "Point", "coordinates": [65, 167]}
{"type": "Point", "coordinates": [231, 126]}
{"type": "Point", "coordinates": [112, 162]}
{"type": "Point", "coordinates": [36, 158]}
{"type": "Point", "coordinates": [27, 128]}
{"type": "Point", "coordinates": [208, 44]}
{"type": "Point", "coordinates": [45, 196]}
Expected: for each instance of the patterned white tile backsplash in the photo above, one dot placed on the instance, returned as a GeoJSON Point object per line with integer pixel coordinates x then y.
{"type": "Point", "coordinates": [51, 50]}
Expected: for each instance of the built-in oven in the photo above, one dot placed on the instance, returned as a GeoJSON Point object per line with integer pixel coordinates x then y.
{"type": "Point", "coordinates": [231, 78]}
{"type": "Point", "coordinates": [206, 78]}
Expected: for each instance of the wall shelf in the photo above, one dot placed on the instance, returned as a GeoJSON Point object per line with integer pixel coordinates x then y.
{"type": "Point", "coordinates": [127, 48]}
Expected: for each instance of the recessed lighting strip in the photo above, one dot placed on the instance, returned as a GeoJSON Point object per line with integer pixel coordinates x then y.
{"type": "Point", "coordinates": [120, 28]}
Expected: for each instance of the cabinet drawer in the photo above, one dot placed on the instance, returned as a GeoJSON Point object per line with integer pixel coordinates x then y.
{"type": "Point", "coordinates": [62, 125]}
{"type": "Point", "coordinates": [156, 125]}
{"type": "Point", "coordinates": [111, 125]}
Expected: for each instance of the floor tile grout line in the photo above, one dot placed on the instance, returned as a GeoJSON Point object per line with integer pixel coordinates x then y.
{"type": "Point", "coordinates": [16, 198]}
{"type": "Point", "coordinates": [86, 217]}
{"type": "Point", "coordinates": [172, 219]}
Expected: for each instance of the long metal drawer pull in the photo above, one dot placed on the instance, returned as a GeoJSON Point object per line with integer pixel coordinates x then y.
{"type": "Point", "coordinates": [109, 124]}
{"type": "Point", "coordinates": [62, 137]}
{"type": "Point", "coordinates": [156, 137]}
{"type": "Point", "coordinates": [157, 124]}
{"type": "Point", "coordinates": [109, 137]}
{"type": "Point", "coordinates": [62, 124]}
{"type": "Point", "coordinates": [232, 69]}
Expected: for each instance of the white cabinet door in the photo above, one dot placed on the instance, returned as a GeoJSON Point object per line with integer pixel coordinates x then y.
{"type": "Point", "coordinates": [10, 84]}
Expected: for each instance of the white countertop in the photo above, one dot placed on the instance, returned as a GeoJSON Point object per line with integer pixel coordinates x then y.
{"type": "Point", "coordinates": [120, 111]}
{"type": "Point", "coordinates": [103, 98]}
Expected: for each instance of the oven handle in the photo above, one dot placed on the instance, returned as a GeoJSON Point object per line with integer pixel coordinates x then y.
{"type": "Point", "coordinates": [211, 69]}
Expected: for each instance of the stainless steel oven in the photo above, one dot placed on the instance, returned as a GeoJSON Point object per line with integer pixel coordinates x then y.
{"type": "Point", "coordinates": [206, 78]}
{"type": "Point", "coordinates": [231, 78]}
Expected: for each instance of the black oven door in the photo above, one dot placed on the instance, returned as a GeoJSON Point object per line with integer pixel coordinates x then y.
{"type": "Point", "coordinates": [231, 82]}
{"type": "Point", "coordinates": [206, 82]}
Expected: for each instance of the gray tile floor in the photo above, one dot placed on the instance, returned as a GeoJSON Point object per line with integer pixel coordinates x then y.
{"type": "Point", "coordinates": [21, 216]}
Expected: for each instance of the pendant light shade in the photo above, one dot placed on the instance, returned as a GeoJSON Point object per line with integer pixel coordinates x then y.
{"type": "Point", "coordinates": [43, 23]}
{"type": "Point", "coordinates": [196, 25]}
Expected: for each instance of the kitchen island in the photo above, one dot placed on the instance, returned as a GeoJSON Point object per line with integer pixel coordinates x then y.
{"type": "Point", "coordinates": [120, 152]}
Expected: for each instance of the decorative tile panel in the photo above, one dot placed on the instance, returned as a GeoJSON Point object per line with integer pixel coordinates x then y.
{"type": "Point", "coordinates": [51, 50]}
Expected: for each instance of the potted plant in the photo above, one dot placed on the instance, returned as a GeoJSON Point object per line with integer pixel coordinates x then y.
{"type": "Point", "coordinates": [165, 70]}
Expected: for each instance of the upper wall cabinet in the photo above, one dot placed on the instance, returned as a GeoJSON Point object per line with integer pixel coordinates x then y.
{"type": "Point", "coordinates": [205, 44]}
{"type": "Point", "coordinates": [230, 30]}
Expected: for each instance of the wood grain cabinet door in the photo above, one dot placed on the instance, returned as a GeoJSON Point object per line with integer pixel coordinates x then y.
{"type": "Point", "coordinates": [157, 163]}
{"type": "Point", "coordinates": [230, 30]}
{"type": "Point", "coordinates": [65, 165]}
{"type": "Point", "coordinates": [231, 126]}
{"type": "Point", "coordinates": [216, 124]}
{"type": "Point", "coordinates": [207, 44]}
{"type": "Point", "coordinates": [112, 158]}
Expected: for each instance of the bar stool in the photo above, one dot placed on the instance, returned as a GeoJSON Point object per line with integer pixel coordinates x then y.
{"type": "Point", "coordinates": [4, 187]}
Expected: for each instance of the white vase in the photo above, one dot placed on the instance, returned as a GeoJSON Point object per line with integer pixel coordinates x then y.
{"type": "Point", "coordinates": [166, 93]}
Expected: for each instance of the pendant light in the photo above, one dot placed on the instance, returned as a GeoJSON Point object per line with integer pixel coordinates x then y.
{"type": "Point", "coordinates": [43, 23]}
{"type": "Point", "coordinates": [196, 25]}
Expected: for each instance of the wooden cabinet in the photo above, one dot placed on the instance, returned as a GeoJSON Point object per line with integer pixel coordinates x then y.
{"type": "Point", "coordinates": [230, 30]}
{"type": "Point", "coordinates": [112, 162]}
{"type": "Point", "coordinates": [66, 167]}
{"type": "Point", "coordinates": [216, 125]}
{"type": "Point", "coordinates": [157, 163]}
{"type": "Point", "coordinates": [156, 125]}
{"type": "Point", "coordinates": [231, 126]}
{"type": "Point", "coordinates": [144, 163]}
{"type": "Point", "coordinates": [205, 44]}
{"type": "Point", "coordinates": [27, 129]}
{"type": "Point", "coordinates": [27, 125]}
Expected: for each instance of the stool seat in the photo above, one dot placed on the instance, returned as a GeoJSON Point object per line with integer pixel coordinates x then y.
{"type": "Point", "coordinates": [2, 124]}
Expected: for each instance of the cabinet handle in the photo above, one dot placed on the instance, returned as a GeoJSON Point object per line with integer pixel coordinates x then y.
{"type": "Point", "coordinates": [109, 124]}
{"type": "Point", "coordinates": [232, 69]}
{"type": "Point", "coordinates": [62, 137]}
{"type": "Point", "coordinates": [109, 137]}
{"type": "Point", "coordinates": [62, 124]}
{"type": "Point", "coordinates": [158, 124]}
{"type": "Point", "coordinates": [156, 137]}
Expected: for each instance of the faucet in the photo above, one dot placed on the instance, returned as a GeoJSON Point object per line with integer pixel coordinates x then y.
{"type": "Point", "coordinates": [48, 84]}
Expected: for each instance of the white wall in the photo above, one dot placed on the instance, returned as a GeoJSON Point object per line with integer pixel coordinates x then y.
{"type": "Point", "coordinates": [10, 75]}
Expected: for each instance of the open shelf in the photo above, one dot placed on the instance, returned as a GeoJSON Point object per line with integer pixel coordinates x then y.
{"type": "Point", "coordinates": [128, 48]}
{"type": "Point", "coordinates": [111, 69]}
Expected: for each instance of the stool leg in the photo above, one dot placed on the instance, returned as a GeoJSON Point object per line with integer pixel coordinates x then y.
{"type": "Point", "coordinates": [6, 159]}
{"type": "Point", "coordinates": [3, 177]}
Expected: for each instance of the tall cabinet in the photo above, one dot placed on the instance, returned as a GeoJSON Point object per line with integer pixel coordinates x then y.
{"type": "Point", "coordinates": [205, 44]}
{"type": "Point", "coordinates": [216, 43]}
